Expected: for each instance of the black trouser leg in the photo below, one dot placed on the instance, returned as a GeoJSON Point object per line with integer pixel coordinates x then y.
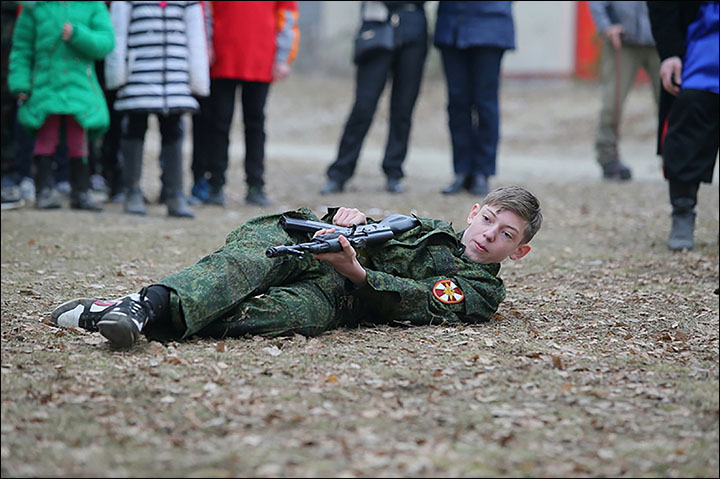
{"type": "Point", "coordinates": [407, 76]}
{"type": "Point", "coordinates": [46, 196]}
{"type": "Point", "coordinates": [370, 79]}
{"type": "Point", "coordinates": [254, 96]}
{"type": "Point", "coordinates": [221, 107]}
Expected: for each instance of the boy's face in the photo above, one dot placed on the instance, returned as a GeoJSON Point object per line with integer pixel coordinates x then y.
{"type": "Point", "coordinates": [494, 235]}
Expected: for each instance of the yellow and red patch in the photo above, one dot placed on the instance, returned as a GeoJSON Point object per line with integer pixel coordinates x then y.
{"type": "Point", "coordinates": [447, 292]}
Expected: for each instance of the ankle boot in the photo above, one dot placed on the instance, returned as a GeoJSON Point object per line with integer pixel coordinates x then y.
{"type": "Point", "coordinates": [132, 151]}
{"type": "Point", "coordinates": [480, 185]}
{"type": "Point", "coordinates": [171, 160]}
{"type": "Point", "coordinates": [683, 197]}
{"type": "Point", "coordinates": [79, 185]}
{"type": "Point", "coordinates": [46, 196]}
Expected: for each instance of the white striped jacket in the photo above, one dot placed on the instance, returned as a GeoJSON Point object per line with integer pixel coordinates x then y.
{"type": "Point", "coordinates": [160, 58]}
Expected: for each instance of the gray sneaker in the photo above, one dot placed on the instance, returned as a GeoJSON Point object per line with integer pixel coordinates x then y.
{"type": "Point", "coordinates": [27, 189]}
{"type": "Point", "coordinates": [48, 198]}
{"type": "Point", "coordinates": [11, 198]}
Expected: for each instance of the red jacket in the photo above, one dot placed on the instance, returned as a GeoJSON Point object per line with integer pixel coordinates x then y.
{"type": "Point", "coordinates": [249, 37]}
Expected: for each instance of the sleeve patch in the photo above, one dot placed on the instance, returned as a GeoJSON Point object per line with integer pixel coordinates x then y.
{"type": "Point", "coordinates": [447, 292]}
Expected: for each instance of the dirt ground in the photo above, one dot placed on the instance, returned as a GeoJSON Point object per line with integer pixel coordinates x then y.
{"type": "Point", "coordinates": [602, 362]}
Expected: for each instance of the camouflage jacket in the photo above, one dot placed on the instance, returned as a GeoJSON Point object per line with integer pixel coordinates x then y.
{"type": "Point", "coordinates": [422, 277]}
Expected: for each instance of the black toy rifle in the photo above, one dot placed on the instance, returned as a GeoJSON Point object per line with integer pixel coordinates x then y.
{"type": "Point", "coordinates": [359, 236]}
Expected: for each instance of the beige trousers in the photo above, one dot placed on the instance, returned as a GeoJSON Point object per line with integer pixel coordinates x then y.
{"type": "Point", "coordinates": [617, 76]}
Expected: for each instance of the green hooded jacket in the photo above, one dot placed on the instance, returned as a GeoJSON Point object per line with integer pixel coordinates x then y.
{"type": "Point", "coordinates": [59, 76]}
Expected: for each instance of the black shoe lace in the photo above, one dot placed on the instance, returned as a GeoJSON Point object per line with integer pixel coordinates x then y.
{"type": "Point", "coordinates": [143, 305]}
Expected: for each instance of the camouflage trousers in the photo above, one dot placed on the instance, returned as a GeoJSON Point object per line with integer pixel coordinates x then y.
{"type": "Point", "coordinates": [238, 291]}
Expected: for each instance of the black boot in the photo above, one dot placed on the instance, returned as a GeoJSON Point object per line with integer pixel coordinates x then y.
{"type": "Point", "coordinates": [172, 176]}
{"type": "Point", "coordinates": [683, 197]}
{"type": "Point", "coordinates": [616, 170]}
{"type": "Point", "coordinates": [461, 181]}
{"type": "Point", "coordinates": [79, 185]}
{"type": "Point", "coordinates": [331, 187]}
{"type": "Point", "coordinates": [46, 196]}
{"type": "Point", "coordinates": [132, 151]}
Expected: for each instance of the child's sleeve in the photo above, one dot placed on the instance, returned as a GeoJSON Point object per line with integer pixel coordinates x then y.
{"type": "Point", "coordinates": [97, 39]}
{"type": "Point", "coordinates": [288, 32]}
{"type": "Point", "coordinates": [197, 50]}
{"type": "Point", "coordinates": [116, 65]}
{"type": "Point", "coordinates": [21, 54]}
{"type": "Point", "coordinates": [432, 300]}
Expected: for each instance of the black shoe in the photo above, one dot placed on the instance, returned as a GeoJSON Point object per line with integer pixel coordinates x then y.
{"type": "Point", "coordinates": [121, 324]}
{"type": "Point", "coordinates": [617, 171]}
{"type": "Point", "coordinates": [332, 186]}
{"type": "Point", "coordinates": [393, 186]}
{"type": "Point", "coordinates": [256, 196]}
{"type": "Point", "coordinates": [480, 185]}
{"type": "Point", "coordinates": [461, 182]}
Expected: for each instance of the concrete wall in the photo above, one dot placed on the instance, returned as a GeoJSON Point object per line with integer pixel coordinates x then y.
{"type": "Point", "coordinates": [545, 38]}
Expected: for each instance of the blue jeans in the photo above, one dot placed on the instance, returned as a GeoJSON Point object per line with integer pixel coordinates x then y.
{"type": "Point", "coordinates": [472, 76]}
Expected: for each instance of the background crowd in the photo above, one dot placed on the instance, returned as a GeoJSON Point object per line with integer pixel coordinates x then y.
{"type": "Point", "coordinates": [81, 78]}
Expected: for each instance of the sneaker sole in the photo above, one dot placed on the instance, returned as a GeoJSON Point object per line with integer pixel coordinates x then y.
{"type": "Point", "coordinates": [119, 330]}
{"type": "Point", "coordinates": [69, 306]}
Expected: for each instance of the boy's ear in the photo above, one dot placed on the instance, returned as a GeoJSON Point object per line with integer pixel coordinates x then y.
{"type": "Point", "coordinates": [473, 213]}
{"type": "Point", "coordinates": [521, 251]}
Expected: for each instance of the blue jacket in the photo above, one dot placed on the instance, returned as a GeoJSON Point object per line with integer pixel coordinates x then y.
{"type": "Point", "coordinates": [475, 24]}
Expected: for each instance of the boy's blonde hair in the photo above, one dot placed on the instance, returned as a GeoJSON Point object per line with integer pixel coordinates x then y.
{"type": "Point", "coordinates": [521, 202]}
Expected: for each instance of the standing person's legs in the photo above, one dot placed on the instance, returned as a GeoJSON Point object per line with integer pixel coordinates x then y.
{"type": "Point", "coordinates": [79, 166]}
{"type": "Point", "coordinates": [254, 97]}
{"type": "Point", "coordinates": [618, 69]}
{"type": "Point", "coordinates": [221, 107]}
{"type": "Point", "coordinates": [456, 66]}
{"type": "Point", "coordinates": [200, 142]}
{"type": "Point", "coordinates": [649, 60]}
{"type": "Point", "coordinates": [48, 137]}
{"type": "Point", "coordinates": [408, 68]}
{"type": "Point", "coordinates": [689, 153]}
{"type": "Point", "coordinates": [171, 159]}
{"type": "Point", "coordinates": [485, 68]}
{"type": "Point", "coordinates": [112, 162]}
{"type": "Point", "coordinates": [131, 147]}
{"type": "Point", "coordinates": [370, 79]}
